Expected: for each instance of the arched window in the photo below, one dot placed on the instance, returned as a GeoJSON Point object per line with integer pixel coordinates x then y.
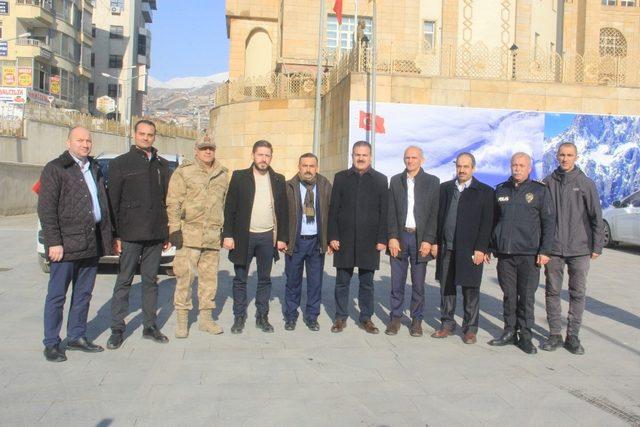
{"type": "Point", "coordinates": [612, 42]}
{"type": "Point", "coordinates": [257, 59]}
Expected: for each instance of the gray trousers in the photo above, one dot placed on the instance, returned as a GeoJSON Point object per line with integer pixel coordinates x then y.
{"type": "Point", "coordinates": [578, 268]}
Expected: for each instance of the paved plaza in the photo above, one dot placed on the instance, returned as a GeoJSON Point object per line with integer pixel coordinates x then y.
{"type": "Point", "coordinates": [305, 378]}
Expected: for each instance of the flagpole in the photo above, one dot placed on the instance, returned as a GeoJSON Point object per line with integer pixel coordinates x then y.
{"type": "Point", "coordinates": [316, 119]}
{"type": "Point", "coordinates": [355, 26]}
{"type": "Point", "coordinates": [373, 86]}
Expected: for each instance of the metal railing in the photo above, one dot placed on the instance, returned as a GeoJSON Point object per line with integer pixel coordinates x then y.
{"type": "Point", "coordinates": [45, 4]}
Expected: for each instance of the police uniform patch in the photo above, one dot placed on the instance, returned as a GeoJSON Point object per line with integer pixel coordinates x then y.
{"type": "Point", "coordinates": [503, 198]}
{"type": "Point", "coordinates": [529, 197]}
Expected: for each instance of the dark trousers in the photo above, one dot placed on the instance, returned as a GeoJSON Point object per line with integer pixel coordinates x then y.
{"type": "Point", "coordinates": [306, 252]}
{"type": "Point", "coordinates": [448, 296]}
{"type": "Point", "coordinates": [578, 268]}
{"type": "Point", "coordinates": [518, 276]}
{"type": "Point", "coordinates": [365, 293]}
{"type": "Point", "coordinates": [82, 273]}
{"type": "Point", "coordinates": [260, 247]}
{"type": "Point", "coordinates": [408, 256]}
{"type": "Point", "coordinates": [148, 253]}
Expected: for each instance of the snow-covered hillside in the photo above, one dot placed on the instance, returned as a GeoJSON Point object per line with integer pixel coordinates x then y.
{"type": "Point", "coordinates": [188, 82]}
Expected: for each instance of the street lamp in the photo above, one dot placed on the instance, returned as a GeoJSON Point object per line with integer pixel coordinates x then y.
{"type": "Point", "coordinates": [19, 36]}
{"type": "Point", "coordinates": [127, 110]}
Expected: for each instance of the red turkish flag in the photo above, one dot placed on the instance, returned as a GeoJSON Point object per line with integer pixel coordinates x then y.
{"type": "Point", "coordinates": [337, 8]}
{"type": "Point", "coordinates": [365, 122]}
{"type": "Point", "coordinates": [36, 187]}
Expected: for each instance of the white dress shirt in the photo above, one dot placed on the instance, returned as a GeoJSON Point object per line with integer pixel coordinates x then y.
{"type": "Point", "coordinates": [411, 201]}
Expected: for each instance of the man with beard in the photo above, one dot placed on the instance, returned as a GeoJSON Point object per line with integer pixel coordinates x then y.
{"type": "Point", "coordinates": [308, 196]}
{"type": "Point", "coordinates": [255, 225]}
{"type": "Point", "coordinates": [357, 233]}
{"type": "Point", "coordinates": [579, 239]}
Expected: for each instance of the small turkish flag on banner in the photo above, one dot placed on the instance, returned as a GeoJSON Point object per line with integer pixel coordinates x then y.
{"type": "Point", "coordinates": [337, 8]}
{"type": "Point", "coordinates": [365, 122]}
{"type": "Point", "coordinates": [36, 187]}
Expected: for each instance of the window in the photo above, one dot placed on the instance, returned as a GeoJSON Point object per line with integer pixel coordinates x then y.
{"type": "Point", "coordinates": [116, 32]}
{"type": "Point", "coordinates": [93, 59]}
{"type": "Point", "coordinates": [41, 72]}
{"type": "Point", "coordinates": [77, 18]}
{"type": "Point", "coordinates": [428, 36]}
{"type": "Point", "coordinates": [113, 90]}
{"type": "Point", "coordinates": [608, 2]}
{"type": "Point", "coordinates": [142, 44]}
{"type": "Point", "coordinates": [628, 3]}
{"type": "Point", "coordinates": [115, 61]}
{"type": "Point", "coordinates": [612, 42]}
{"type": "Point", "coordinates": [346, 30]}
{"type": "Point", "coordinates": [91, 89]}
{"type": "Point", "coordinates": [0, 29]}
{"type": "Point", "coordinates": [93, 30]}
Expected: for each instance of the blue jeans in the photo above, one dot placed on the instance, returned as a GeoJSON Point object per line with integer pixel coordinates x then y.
{"type": "Point", "coordinates": [83, 275]}
{"type": "Point", "coordinates": [306, 253]}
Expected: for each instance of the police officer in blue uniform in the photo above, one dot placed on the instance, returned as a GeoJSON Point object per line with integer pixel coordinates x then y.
{"type": "Point", "coordinates": [522, 241]}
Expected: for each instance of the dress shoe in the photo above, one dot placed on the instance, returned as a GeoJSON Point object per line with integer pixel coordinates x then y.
{"type": "Point", "coordinates": [115, 341]}
{"type": "Point", "coordinates": [238, 324]}
{"type": "Point", "coordinates": [53, 354]}
{"type": "Point", "coordinates": [572, 344]}
{"type": "Point", "coordinates": [442, 333]}
{"type": "Point", "coordinates": [369, 327]}
{"type": "Point", "coordinates": [394, 326]}
{"type": "Point", "coordinates": [262, 322]}
{"type": "Point", "coordinates": [552, 343]}
{"type": "Point", "coordinates": [469, 338]}
{"type": "Point", "coordinates": [527, 346]}
{"type": "Point", "coordinates": [338, 325]}
{"type": "Point", "coordinates": [153, 333]}
{"type": "Point", "coordinates": [312, 324]}
{"type": "Point", "coordinates": [85, 345]}
{"type": "Point", "coordinates": [505, 339]}
{"type": "Point", "coordinates": [289, 325]}
{"type": "Point", "coordinates": [415, 330]}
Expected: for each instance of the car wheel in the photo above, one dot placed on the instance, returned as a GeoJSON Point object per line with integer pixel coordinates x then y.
{"type": "Point", "coordinates": [44, 265]}
{"type": "Point", "coordinates": [608, 242]}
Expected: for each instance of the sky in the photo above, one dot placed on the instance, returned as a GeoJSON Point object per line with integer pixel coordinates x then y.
{"type": "Point", "coordinates": [557, 123]}
{"type": "Point", "coordinates": [188, 38]}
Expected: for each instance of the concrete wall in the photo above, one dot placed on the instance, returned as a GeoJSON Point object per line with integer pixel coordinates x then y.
{"type": "Point", "coordinates": [16, 181]}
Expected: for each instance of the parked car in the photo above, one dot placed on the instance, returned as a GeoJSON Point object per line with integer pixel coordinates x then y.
{"type": "Point", "coordinates": [622, 221]}
{"type": "Point", "coordinates": [103, 160]}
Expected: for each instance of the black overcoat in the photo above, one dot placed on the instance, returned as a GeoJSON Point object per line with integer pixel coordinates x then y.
{"type": "Point", "coordinates": [474, 224]}
{"type": "Point", "coordinates": [237, 211]}
{"type": "Point", "coordinates": [358, 218]}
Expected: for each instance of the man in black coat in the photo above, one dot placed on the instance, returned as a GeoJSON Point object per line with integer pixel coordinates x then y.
{"type": "Point", "coordinates": [255, 225]}
{"type": "Point", "coordinates": [138, 182]}
{"type": "Point", "coordinates": [523, 239]}
{"type": "Point", "coordinates": [74, 212]}
{"type": "Point", "coordinates": [357, 233]}
{"type": "Point", "coordinates": [465, 221]}
{"type": "Point", "coordinates": [412, 222]}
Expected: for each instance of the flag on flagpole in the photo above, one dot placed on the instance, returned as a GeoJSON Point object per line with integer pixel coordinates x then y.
{"type": "Point", "coordinates": [337, 8]}
{"type": "Point", "coordinates": [365, 122]}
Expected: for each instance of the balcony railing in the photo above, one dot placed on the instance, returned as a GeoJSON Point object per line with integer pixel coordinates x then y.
{"type": "Point", "coordinates": [45, 4]}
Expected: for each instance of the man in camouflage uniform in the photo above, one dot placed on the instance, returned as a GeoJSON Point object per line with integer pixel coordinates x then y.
{"type": "Point", "coordinates": [195, 206]}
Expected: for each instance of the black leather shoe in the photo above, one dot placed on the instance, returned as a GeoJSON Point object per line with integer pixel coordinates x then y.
{"type": "Point", "coordinates": [262, 322]}
{"type": "Point", "coordinates": [527, 346]}
{"type": "Point", "coordinates": [83, 344]}
{"type": "Point", "coordinates": [153, 333]}
{"type": "Point", "coordinates": [289, 325]}
{"type": "Point", "coordinates": [572, 344]}
{"type": "Point", "coordinates": [552, 343]}
{"type": "Point", "coordinates": [53, 354]}
{"type": "Point", "coordinates": [238, 325]}
{"type": "Point", "coordinates": [313, 325]}
{"type": "Point", "coordinates": [115, 341]}
{"type": "Point", "coordinates": [506, 339]}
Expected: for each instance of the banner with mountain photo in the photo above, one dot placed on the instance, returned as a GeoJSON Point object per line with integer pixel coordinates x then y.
{"type": "Point", "coordinates": [608, 146]}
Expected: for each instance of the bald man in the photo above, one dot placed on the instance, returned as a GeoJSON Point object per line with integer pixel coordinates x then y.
{"type": "Point", "coordinates": [74, 213]}
{"type": "Point", "coordinates": [522, 240]}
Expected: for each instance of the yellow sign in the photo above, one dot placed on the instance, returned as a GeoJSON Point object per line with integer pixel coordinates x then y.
{"type": "Point", "coordinates": [25, 76]}
{"type": "Point", "coordinates": [8, 76]}
{"type": "Point", "coordinates": [54, 87]}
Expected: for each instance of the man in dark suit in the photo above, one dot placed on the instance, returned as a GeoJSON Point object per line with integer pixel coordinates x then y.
{"type": "Point", "coordinates": [74, 213]}
{"type": "Point", "coordinates": [465, 220]}
{"type": "Point", "coordinates": [412, 222]}
{"type": "Point", "coordinates": [138, 182]}
{"type": "Point", "coordinates": [357, 233]}
{"type": "Point", "coordinates": [255, 225]}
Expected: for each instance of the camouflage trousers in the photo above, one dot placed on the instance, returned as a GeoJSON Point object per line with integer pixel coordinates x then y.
{"type": "Point", "coordinates": [187, 262]}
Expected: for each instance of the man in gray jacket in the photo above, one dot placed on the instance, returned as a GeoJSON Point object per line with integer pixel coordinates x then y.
{"type": "Point", "coordinates": [579, 237]}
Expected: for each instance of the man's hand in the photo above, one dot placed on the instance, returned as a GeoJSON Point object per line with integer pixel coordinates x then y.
{"type": "Point", "coordinates": [56, 253]}
{"type": "Point", "coordinates": [394, 247]}
{"type": "Point", "coordinates": [542, 260]}
{"type": "Point", "coordinates": [175, 239]}
{"type": "Point", "coordinates": [228, 243]}
{"type": "Point", "coordinates": [166, 245]}
{"type": "Point", "coordinates": [329, 250]}
{"type": "Point", "coordinates": [117, 246]}
{"type": "Point", "coordinates": [434, 251]}
{"type": "Point", "coordinates": [425, 249]}
{"type": "Point", "coordinates": [282, 246]}
{"type": "Point", "coordinates": [594, 255]}
{"type": "Point", "coordinates": [478, 257]}
{"type": "Point", "coordinates": [487, 258]}
{"type": "Point", "coordinates": [335, 245]}
{"type": "Point", "coordinates": [381, 247]}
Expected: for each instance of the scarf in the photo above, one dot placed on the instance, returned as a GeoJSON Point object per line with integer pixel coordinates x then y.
{"type": "Point", "coordinates": [309, 200]}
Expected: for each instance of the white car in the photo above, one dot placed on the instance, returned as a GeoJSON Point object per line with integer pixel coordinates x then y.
{"type": "Point", "coordinates": [622, 221]}
{"type": "Point", "coordinates": [103, 159]}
